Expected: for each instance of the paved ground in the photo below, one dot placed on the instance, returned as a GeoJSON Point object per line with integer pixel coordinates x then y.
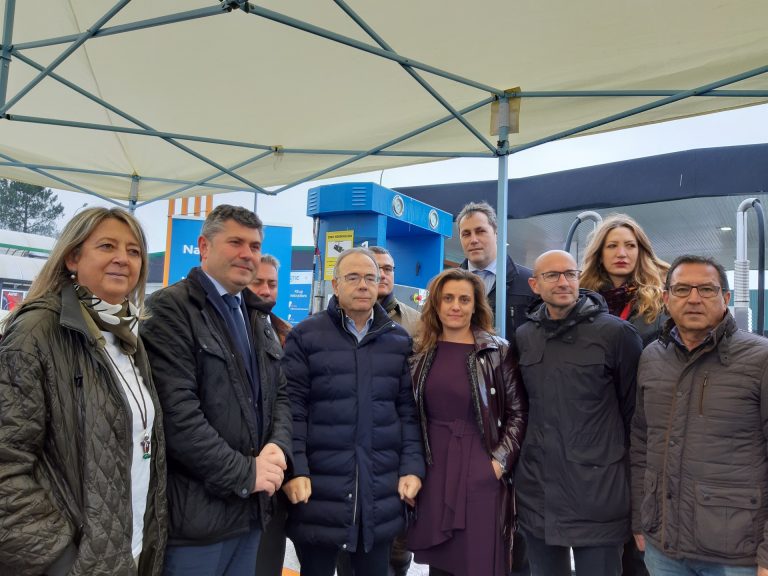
{"type": "Point", "coordinates": [292, 564]}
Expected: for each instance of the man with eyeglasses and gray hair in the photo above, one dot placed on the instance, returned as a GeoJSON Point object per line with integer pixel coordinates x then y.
{"type": "Point", "coordinates": [699, 435]}
{"type": "Point", "coordinates": [358, 458]}
{"type": "Point", "coordinates": [579, 366]}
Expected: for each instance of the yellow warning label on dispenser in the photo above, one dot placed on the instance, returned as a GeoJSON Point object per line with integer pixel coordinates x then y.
{"type": "Point", "coordinates": [335, 243]}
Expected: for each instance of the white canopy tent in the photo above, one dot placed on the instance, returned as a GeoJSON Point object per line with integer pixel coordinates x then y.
{"type": "Point", "coordinates": [141, 100]}
{"type": "Point", "coordinates": [144, 99]}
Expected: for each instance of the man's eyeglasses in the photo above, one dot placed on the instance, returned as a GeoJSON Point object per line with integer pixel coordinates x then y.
{"type": "Point", "coordinates": [704, 290]}
{"type": "Point", "coordinates": [387, 269]}
{"type": "Point", "coordinates": [353, 278]}
{"type": "Point", "coordinates": [551, 277]}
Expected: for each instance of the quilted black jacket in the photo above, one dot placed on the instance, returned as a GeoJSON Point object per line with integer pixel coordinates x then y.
{"type": "Point", "coordinates": [65, 452]}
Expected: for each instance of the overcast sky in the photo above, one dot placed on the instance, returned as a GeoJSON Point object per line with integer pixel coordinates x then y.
{"type": "Point", "coordinates": [743, 126]}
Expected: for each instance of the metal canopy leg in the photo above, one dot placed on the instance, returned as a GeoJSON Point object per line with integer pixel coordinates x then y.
{"type": "Point", "coordinates": [502, 209]}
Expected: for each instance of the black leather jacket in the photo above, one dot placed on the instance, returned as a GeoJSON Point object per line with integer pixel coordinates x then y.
{"type": "Point", "coordinates": [501, 409]}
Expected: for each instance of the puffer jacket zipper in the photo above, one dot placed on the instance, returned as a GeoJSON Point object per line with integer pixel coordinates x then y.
{"type": "Point", "coordinates": [378, 329]}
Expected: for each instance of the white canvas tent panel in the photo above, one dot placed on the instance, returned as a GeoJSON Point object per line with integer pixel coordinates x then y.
{"type": "Point", "coordinates": [242, 77]}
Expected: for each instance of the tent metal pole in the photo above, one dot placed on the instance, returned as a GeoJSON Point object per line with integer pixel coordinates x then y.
{"type": "Point", "coordinates": [209, 178]}
{"type": "Point", "coordinates": [415, 75]}
{"type": "Point", "coordinates": [223, 142]}
{"type": "Point", "coordinates": [636, 93]}
{"type": "Point", "coordinates": [130, 27]}
{"type": "Point", "coordinates": [134, 196]}
{"type": "Point", "coordinates": [127, 116]}
{"type": "Point", "coordinates": [64, 55]}
{"type": "Point", "coordinates": [397, 140]}
{"type": "Point", "coordinates": [53, 168]}
{"type": "Point", "coordinates": [392, 153]}
{"type": "Point", "coordinates": [193, 138]}
{"type": "Point", "coordinates": [351, 42]}
{"type": "Point", "coordinates": [502, 202]}
{"type": "Point", "coordinates": [74, 186]}
{"type": "Point", "coordinates": [138, 131]}
{"type": "Point", "coordinates": [644, 108]}
{"type": "Point", "coordinates": [144, 127]}
{"type": "Point", "coordinates": [5, 55]}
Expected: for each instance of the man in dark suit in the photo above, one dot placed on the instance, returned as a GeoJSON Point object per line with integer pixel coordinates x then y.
{"type": "Point", "coordinates": [477, 233]}
{"type": "Point", "coordinates": [225, 405]}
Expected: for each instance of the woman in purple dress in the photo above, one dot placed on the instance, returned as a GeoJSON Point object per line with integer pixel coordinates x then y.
{"type": "Point", "coordinates": [473, 413]}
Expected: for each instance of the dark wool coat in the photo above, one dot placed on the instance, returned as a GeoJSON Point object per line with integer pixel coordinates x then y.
{"type": "Point", "coordinates": [572, 480]}
{"type": "Point", "coordinates": [355, 428]}
{"type": "Point", "coordinates": [211, 432]}
{"type": "Point", "coordinates": [65, 458]}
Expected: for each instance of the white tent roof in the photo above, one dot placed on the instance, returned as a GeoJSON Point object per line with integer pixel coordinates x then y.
{"type": "Point", "coordinates": [257, 79]}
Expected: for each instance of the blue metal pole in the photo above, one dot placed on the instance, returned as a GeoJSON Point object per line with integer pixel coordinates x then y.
{"type": "Point", "coordinates": [167, 136]}
{"type": "Point", "coordinates": [323, 33]}
{"type": "Point", "coordinates": [66, 183]}
{"type": "Point", "coordinates": [224, 142]}
{"type": "Point", "coordinates": [133, 198]}
{"type": "Point", "coordinates": [64, 55]}
{"type": "Point", "coordinates": [635, 93]}
{"type": "Point", "coordinates": [51, 167]}
{"type": "Point", "coordinates": [136, 131]}
{"type": "Point", "coordinates": [502, 211]}
{"type": "Point", "coordinates": [644, 108]}
{"type": "Point", "coordinates": [191, 185]}
{"type": "Point", "coordinates": [130, 27]}
{"type": "Point", "coordinates": [5, 54]}
{"type": "Point", "coordinates": [416, 76]}
{"type": "Point", "coordinates": [393, 153]}
{"type": "Point", "coordinates": [393, 142]}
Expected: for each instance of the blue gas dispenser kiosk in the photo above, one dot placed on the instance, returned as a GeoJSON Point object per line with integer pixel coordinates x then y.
{"type": "Point", "coordinates": [366, 214]}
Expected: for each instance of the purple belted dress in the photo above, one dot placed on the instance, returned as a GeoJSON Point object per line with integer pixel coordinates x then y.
{"type": "Point", "coordinates": [457, 528]}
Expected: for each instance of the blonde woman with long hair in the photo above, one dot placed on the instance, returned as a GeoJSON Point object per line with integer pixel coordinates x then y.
{"type": "Point", "coordinates": [82, 458]}
{"type": "Point", "coordinates": [621, 265]}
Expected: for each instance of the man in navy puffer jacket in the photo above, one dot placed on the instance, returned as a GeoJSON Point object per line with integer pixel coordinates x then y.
{"type": "Point", "coordinates": [357, 446]}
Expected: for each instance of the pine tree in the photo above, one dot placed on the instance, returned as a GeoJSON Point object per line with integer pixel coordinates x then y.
{"type": "Point", "coordinates": [28, 208]}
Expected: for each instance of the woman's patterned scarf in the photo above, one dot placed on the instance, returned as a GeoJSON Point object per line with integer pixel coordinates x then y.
{"type": "Point", "coordinates": [119, 319]}
{"type": "Point", "coordinates": [620, 300]}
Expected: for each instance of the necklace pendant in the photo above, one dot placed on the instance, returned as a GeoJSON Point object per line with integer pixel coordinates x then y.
{"type": "Point", "coordinates": [146, 446]}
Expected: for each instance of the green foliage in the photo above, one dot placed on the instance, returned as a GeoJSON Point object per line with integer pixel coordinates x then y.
{"type": "Point", "coordinates": [28, 208]}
